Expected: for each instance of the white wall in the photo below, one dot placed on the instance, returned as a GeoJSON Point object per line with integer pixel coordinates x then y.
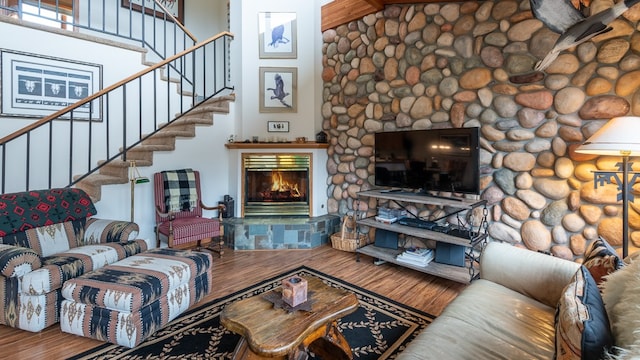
{"type": "Point", "coordinates": [218, 165]}
{"type": "Point", "coordinates": [249, 122]}
{"type": "Point", "coordinates": [205, 18]}
{"type": "Point", "coordinates": [118, 63]}
{"type": "Point", "coordinates": [244, 24]}
{"type": "Point", "coordinates": [206, 153]}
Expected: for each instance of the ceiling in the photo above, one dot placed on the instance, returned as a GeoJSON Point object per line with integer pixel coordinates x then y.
{"type": "Point", "coordinates": [340, 12]}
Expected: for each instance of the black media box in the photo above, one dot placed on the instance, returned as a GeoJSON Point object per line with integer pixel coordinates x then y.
{"type": "Point", "coordinates": [386, 239]}
{"type": "Point", "coordinates": [450, 254]}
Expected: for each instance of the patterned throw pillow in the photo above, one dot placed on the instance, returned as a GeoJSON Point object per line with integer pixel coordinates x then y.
{"type": "Point", "coordinates": [106, 231]}
{"type": "Point", "coordinates": [601, 259]}
{"type": "Point", "coordinates": [582, 325]}
{"type": "Point", "coordinates": [16, 261]}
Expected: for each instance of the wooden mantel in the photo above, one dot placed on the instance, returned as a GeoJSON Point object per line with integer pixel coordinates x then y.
{"type": "Point", "coordinates": [276, 145]}
{"type": "Point", "coordinates": [340, 12]}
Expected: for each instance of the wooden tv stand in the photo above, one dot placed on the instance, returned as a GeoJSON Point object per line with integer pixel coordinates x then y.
{"type": "Point", "coordinates": [475, 241]}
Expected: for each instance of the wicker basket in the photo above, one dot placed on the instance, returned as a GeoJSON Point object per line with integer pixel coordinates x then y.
{"type": "Point", "coordinates": [347, 238]}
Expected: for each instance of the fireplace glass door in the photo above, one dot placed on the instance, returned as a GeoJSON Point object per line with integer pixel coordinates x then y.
{"type": "Point", "coordinates": [276, 185]}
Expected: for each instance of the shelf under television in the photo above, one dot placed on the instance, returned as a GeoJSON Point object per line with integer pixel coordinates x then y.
{"type": "Point", "coordinates": [451, 272]}
{"type": "Point", "coordinates": [422, 233]}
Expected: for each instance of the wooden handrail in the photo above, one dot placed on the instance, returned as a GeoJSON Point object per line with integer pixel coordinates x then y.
{"type": "Point", "coordinates": [166, 11]}
{"type": "Point", "coordinates": [102, 92]}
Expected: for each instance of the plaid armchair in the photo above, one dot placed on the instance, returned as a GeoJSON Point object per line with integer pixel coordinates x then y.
{"type": "Point", "coordinates": [179, 207]}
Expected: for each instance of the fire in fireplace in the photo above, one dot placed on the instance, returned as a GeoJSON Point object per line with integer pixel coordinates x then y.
{"type": "Point", "coordinates": [276, 184]}
{"type": "Point", "coordinates": [282, 189]}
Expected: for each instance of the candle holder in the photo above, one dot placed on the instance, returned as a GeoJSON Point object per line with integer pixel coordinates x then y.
{"type": "Point", "coordinates": [294, 291]}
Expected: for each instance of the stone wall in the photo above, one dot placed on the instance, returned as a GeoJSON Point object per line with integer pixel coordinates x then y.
{"type": "Point", "coordinates": [471, 64]}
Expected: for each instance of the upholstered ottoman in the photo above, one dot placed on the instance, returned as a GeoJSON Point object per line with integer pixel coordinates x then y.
{"type": "Point", "coordinates": [125, 302]}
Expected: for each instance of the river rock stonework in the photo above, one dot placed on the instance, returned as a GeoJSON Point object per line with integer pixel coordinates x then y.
{"type": "Point", "coordinates": [426, 66]}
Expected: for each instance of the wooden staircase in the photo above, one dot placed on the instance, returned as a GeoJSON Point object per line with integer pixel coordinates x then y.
{"type": "Point", "coordinates": [117, 171]}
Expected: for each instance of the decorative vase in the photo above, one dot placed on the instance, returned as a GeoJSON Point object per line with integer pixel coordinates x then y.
{"type": "Point", "coordinates": [294, 291]}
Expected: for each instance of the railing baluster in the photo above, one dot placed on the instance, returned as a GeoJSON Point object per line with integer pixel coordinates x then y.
{"type": "Point", "coordinates": [28, 165]}
{"type": "Point", "coordinates": [204, 71]}
{"type": "Point", "coordinates": [155, 103]}
{"type": "Point", "coordinates": [124, 121]}
{"type": "Point", "coordinates": [82, 134]}
{"type": "Point", "coordinates": [140, 105]}
{"type": "Point", "coordinates": [70, 180]}
{"type": "Point", "coordinates": [90, 135]}
{"type": "Point", "coordinates": [50, 168]}
{"type": "Point", "coordinates": [168, 91]}
{"type": "Point", "coordinates": [107, 120]}
{"type": "Point", "coordinates": [4, 166]}
{"type": "Point", "coordinates": [89, 14]}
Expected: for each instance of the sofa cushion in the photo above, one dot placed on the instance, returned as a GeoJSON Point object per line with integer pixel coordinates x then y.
{"type": "Point", "coordinates": [59, 268]}
{"type": "Point", "coordinates": [621, 292]}
{"type": "Point", "coordinates": [137, 281]}
{"type": "Point", "coordinates": [17, 261]}
{"type": "Point", "coordinates": [50, 239]}
{"type": "Point", "coordinates": [582, 325]}
{"type": "Point", "coordinates": [487, 321]}
{"type": "Point", "coordinates": [104, 231]}
{"type": "Point", "coordinates": [601, 259]}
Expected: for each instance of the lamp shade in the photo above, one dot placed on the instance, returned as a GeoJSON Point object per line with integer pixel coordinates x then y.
{"type": "Point", "coordinates": [618, 137]}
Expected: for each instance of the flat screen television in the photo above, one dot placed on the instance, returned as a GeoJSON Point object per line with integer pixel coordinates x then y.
{"type": "Point", "coordinates": [429, 160]}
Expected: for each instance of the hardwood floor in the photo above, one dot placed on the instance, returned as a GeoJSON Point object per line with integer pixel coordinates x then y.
{"type": "Point", "coordinates": [240, 269]}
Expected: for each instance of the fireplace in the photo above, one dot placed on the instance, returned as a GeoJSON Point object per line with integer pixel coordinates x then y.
{"type": "Point", "coordinates": [276, 184]}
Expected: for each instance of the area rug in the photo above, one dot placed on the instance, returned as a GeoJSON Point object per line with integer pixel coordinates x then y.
{"type": "Point", "coordinates": [379, 329]}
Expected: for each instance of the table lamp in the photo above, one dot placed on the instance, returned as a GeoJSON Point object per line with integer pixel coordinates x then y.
{"type": "Point", "coordinates": [135, 178]}
{"type": "Point", "coordinates": [618, 137]}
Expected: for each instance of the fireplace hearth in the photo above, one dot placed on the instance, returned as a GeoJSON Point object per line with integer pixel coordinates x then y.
{"type": "Point", "coordinates": [276, 184]}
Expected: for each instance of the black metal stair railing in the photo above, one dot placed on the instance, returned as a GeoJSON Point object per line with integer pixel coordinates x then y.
{"type": "Point", "coordinates": [161, 33]}
{"type": "Point", "coordinates": [65, 147]}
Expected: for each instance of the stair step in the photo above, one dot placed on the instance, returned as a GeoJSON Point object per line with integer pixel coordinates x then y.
{"type": "Point", "coordinates": [144, 148]}
{"type": "Point", "coordinates": [156, 140]}
{"type": "Point", "coordinates": [209, 109]}
{"type": "Point", "coordinates": [94, 191]}
{"type": "Point", "coordinates": [117, 171]}
{"type": "Point", "coordinates": [114, 170]}
{"type": "Point", "coordinates": [177, 126]}
{"type": "Point", "coordinates": [190, 120]}
{"type": "Point", "coordinates": [100, 179]}
{"type": "Point", "coordinates": [194, 120]}
{"type": "Point", "coordinates": [93, 183]}
{"type": "Point", "coordinates": [184, 92]}
{"type": "Point", "coordinates": [174, 131]}
{"type": "Point", "coordinates": [125, 164]}
{"type": "Point", "coordinates": [224, 98]}
{"type": "Point", "coordinates": [120, 168]}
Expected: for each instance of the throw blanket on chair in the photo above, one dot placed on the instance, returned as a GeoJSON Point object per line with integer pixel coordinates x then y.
{"type": "Point", "coordinates": [180, 190]}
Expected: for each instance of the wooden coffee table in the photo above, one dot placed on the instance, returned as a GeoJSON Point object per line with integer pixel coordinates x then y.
{"type": "Point", "coordinates": [269, 332]}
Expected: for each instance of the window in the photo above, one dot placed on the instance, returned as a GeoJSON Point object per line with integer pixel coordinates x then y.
{"type": "Point", "coordinates": [54, 13]}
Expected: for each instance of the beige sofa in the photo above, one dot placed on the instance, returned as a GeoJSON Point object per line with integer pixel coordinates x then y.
{"type": "Point", "coordinates": [509, 313]}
